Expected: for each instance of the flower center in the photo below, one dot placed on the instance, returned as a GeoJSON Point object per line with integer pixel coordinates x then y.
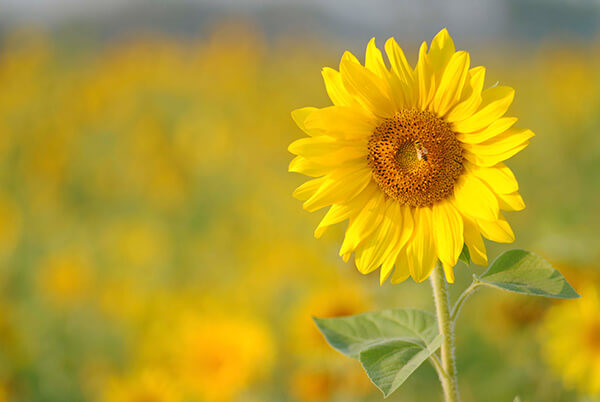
{"type": "Point", "coordinates": [415, 157]}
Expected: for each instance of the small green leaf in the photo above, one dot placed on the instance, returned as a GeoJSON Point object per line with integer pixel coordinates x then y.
{"type": "Point", "coordinates": [352, 334]}
{"type": "Point", "coordinates": [390, 363]}
{"type": "Point", "coordinates": [465, 256]}
{"type": "Point", "coordinates": [390, 344]}
{"type": "Point", "coordinates": [525, 272]}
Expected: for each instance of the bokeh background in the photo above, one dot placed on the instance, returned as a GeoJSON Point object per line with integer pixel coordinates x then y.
{"type": "Point", "coordinates": [150, 248]}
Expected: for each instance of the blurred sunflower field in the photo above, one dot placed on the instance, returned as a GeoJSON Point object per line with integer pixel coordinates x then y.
{"type": "Point", "coordinates": [151, 250]}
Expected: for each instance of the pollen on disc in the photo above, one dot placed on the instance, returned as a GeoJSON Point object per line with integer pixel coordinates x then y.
{"type": "Point", "coordinates": [415, 158]}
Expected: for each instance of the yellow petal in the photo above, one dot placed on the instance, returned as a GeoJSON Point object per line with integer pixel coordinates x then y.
{"type": "Point", "coordinates": [498, 230]}
{"type": "Point", "coordinates": [406, 227]}
{"type": "Point", "coordinates": [425, 79]}
{"type": "Point", "coordinates": [452, 83]}
{"type": "Point", "coordinates": [335, 214]}
{"type": "Point", "coordinates": [402, 70]}
{"type": "Point", "coordinates": [382, 241]}
{"type": "Point", "coordinates": [387, 267]}
{"type": "Point", "coordinates": [399, 234]}
{"type": "Point", "coordinates": [448, 272]}
{"type": "Point", "coordinates": [486, 160]}
{"type": "Point", "coordinates": [421, 247]}
{"type": "Point", "coordinates": [511, 202]}
{"type": "Point", "coordinates": [299, 116]}
{"type": "Point", "coordinates": [343, 158]}
{"type": "Point", "coordinates": [318, 145]}
{"type": "Point", "coordinates": [402, 270]}
{"type": "Point", "coordinates": [494, 129]}
{"type": "Point", "coordinates": [302, 165]}
{"type": "Point", "coordinates": [475, 243]}
{"type": "Point", "coordinates": [473, 198]}
{"type": "Point", "coordinates": [499, 177]}
{"type": "Point", "coordinates": [364, 223]}
{"type": "Point", "coordinates": [471, 96]}
{"type": "Point", "coordinates": [394, 87]}
{"type": "Point", "coordinates": [341, 122]}
{"type": "Point", "coordinates": [335, 88]}
{"type": "Point", "coordinates": [501, 143]}
{"type": "Point", "coordinates": [328, 151]}
{"type": "Point", "coordinates": [369, 88]}
{"type": "Point", "coordinates": [442, 49]}
{"type": "Point", "coordinates": [340, 212]}
{"type": "Point", "coordinates": [307, 189]}
{"type": "Point", "coordinates": [346, 257]}
{"type": "Point", "coordinates": [448, 234]}
{"type": "Point", "coordinates": [347, 56]}
{"type": "Point", "coordinates": [495, 103]}
{"type": "Point", "coordinates": [339, 186]}
{"type": "Point", "coordinates": [398, 61]}
{"type": "Point", "coordinates": [374, 60]}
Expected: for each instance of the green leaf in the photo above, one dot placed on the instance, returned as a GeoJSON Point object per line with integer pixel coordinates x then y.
{"type": "Point", "coordinates": [525, 272]}
{"type": "Point", "coordinates": [390, 344]}
{"type": "Point", "coordinates": [465, 256]}
{"type": "Point", "coordinates": [352, 334]}
{"type": "Point", "coordinates": [390, 363]}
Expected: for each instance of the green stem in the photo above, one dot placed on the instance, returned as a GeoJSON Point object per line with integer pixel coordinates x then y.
{"type": "Point", "coordinates": [435, 362]}
{"type": "Point", "coordinates": [442, 307]}
{"type": "Point", "coordinates": [463, 297]}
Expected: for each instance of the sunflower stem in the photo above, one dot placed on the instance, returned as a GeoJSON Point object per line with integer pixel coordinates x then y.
{"type": "Point", "coordinates": [437, 365]}
{"type": "Point", "coordinates": [446, 325]}
{"type": "Point", "coordinates": [463, 297]}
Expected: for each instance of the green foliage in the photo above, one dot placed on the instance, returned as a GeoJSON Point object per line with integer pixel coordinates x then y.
{"type": "Point", "coordinates": [389, 364]}
{"type": "Point", "coordinates": [390, 344]}
{"type": "Point", "coordinates": [525, 272]}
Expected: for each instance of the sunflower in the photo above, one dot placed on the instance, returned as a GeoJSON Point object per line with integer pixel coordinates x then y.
{"type": "Point", "coordinates": [413, 158]}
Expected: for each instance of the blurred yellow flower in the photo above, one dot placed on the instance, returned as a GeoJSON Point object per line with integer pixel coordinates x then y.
{"type": "Point", "coordinates": [330, 301]}
{"type": "Point", "coordinates": [570, 337]}
{"type": "Point", "coordinates": [312, 385]}
{"type": "Point", "coordinates": [412, 157]}
{"type": "Point", "coordinates": [218, 357]}
{"type": "Point", "coordinates": [323, 382]}
{"type": "Point", "coordinates": [65, 276]}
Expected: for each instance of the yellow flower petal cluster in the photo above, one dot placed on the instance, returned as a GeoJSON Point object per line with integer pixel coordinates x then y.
{"type": "Point", "coordinates": [412, 157]}
{"type": "Point", "coordinates": [221, 356]}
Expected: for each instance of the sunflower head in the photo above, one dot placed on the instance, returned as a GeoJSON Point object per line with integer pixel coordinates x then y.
{"type": "Point", "coordinates": [412, 157]}
{"type": "Point", "coordinates": [415, 158]}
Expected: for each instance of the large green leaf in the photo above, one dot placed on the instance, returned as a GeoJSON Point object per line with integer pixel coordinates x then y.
{"type": "Point", "coordinates": [390, 363]}
{"type": "Point", "coordinates": [526, 272]}
{"type": "Point", "coordinates": [390, 344]}
{"type": "Point", "coordinates": [352, 334]}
